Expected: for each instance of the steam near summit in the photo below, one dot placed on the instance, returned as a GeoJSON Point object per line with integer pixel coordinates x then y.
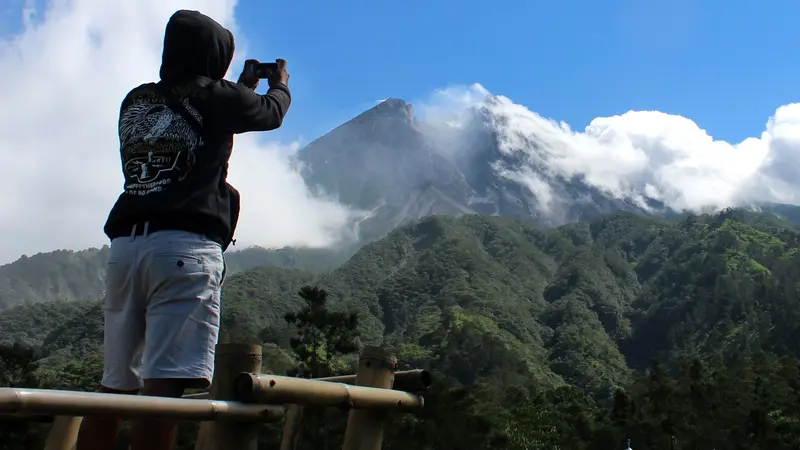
{"type": "Point", "coordinates": [635, 156]}
{"type": "Point", "coordinates": [473, 152]}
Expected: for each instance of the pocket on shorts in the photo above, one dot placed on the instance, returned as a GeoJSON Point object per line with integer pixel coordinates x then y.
{"type": "Point", "coordinates": [210, 254]}
{"type": "Point", "coordinates": [176, 262]}
{"type": "Point", "coordinates": [185, 265]}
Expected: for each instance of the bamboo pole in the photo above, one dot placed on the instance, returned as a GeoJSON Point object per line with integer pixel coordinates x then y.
{"type": "Point", "coordinates": [275, 389]}
{"type": "Point", "coordinates": [291, 429]}
{"type": "Point", "coordinates": [70, 403]}
{"type": "Point", "coordinates": [409, 380]}
{"type": "Point", "coordinates": [365, 428]}
{"type": "Point", "coordinates": [417, 380]}
{"type": "Point", "coordinates": [230, 361]}
{"type": "Point", "coordinates": [63, 433]}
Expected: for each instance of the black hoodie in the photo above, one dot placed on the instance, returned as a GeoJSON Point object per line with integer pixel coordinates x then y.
{"type": "Point", "coordinates": [175, 178]}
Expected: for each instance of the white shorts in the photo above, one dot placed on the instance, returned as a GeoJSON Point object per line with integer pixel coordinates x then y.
{"type": "Point", "coordinates": [162, 308]}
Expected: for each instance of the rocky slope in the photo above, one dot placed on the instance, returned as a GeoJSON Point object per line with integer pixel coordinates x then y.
{"type": "Point", "coordinates": [401, 168]}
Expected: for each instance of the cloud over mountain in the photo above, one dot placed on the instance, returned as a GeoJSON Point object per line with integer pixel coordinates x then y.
{"type": "Point", "coordinates": [662, 156]}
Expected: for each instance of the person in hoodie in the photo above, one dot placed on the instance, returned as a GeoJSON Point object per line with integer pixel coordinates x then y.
{"type": "Point", "coordinates": [175, 217]}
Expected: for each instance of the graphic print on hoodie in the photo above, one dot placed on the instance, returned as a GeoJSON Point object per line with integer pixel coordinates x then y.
{"type": "Point", "coordinates": [158, 145]}
{"type": "Point", "coordinates": [174, 175]}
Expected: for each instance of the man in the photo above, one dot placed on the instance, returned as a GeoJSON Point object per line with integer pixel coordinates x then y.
{"type": "Point", "coordinates": [176, 216]}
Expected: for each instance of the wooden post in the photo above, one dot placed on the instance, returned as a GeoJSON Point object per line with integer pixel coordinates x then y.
{"type": "Point", "coordinates": [64, 433]}
{"type": "Point", "coordinates": [365, 428]}
{"type": "Point", "coordinates": [230, 361]}
{"type": "Point", "coordinates": [291, 428]}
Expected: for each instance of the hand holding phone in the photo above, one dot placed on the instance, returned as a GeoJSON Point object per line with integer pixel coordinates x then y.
{"type": "Point", "coordinates": [265, 70]}
{"type": "Point", "coordinates": [254, 71]}
{"type": "Point", "coordinates": [275, 72]}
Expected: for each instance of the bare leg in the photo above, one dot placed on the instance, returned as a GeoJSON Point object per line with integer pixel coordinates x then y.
{"type": "Point", "coordinates": [99, 432]}
{"type": "Point", "coordinates": [157, 434]}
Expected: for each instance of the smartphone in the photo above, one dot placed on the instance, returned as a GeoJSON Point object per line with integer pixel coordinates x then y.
{"type": "Point", "coordinates": [265, 70]}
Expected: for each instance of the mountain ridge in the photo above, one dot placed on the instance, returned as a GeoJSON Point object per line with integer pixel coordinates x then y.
{"type": "Point", "coordinates": [401, 168]}
{"type": "Point", "coordinates": [398, 169]}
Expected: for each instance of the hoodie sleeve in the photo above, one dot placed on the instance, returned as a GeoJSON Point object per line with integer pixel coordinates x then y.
{"type": "Point", "coordinates": [238, 109]}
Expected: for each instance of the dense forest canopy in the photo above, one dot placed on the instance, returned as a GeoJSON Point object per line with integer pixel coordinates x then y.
{"type": "Point", "coordinates": [672, 333]}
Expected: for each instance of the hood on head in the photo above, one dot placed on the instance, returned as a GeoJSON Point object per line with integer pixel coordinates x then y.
{"type": "Point", "coordinates": [195, 45]}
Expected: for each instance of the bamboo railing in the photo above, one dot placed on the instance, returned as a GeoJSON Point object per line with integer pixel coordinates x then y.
{"type": "Point", "coordinates": [239, 400]}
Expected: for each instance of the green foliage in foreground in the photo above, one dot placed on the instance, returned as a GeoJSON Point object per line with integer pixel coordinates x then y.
{"type": "Point", "coordinates": [755, 405]}
{"type": "Point", "coordinates": [540, 338]}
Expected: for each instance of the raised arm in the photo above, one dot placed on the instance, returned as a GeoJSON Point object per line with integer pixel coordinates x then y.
{"type": "Point", "coordinates": [239, 109]}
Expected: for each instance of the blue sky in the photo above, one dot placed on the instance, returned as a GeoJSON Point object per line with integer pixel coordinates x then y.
{"type": "Point", "coordinates": [725, 64]}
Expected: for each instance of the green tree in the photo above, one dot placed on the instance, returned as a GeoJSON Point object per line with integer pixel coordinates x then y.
{"type": "Point", "coordinates": [321, 335]}
{"type": "Point", "coordinates": [17, 370]}
{"type": "Point", "coordinates": [18, 366]}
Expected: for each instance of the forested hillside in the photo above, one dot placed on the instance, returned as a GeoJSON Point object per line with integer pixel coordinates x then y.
{"type": "Point", "coordinates": [541, 338]}
{"type": "Point", "coordinates": [66, 275]}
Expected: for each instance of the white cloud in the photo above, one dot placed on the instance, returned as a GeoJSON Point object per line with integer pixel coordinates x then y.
{"type": "Point", "coordinates": [64, 76]}
{"type": "Point", "coordinates": [664, 156]}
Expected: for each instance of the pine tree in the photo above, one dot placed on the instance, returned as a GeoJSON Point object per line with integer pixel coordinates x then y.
{"type": "Point", "coordinates": [322, 335]}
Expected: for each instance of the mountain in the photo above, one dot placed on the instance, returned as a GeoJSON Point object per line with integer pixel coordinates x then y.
{"type": "Point", "coordinates": [490, 160]}
{"type": "Point", "coordinates": [380, 161]}
{"type": "Point", "coordinates": [384, 161]}
{"type": "Point", "coordinates": [401, 169]}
